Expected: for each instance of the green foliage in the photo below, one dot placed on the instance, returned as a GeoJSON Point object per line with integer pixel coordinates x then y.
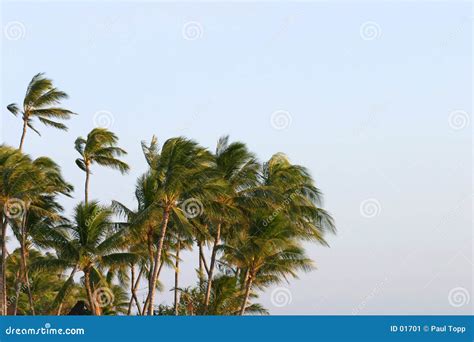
{"type": "Point", "coordinates": [226, 299]}
{"type": "Point", "coordinates": [42, 101]}
{"type": "Point", "coordinates": [248, 220]}
{"type": "Point", "coordinates": [100, 148]}
{"type": "Point", "coordinates": [44, 286]}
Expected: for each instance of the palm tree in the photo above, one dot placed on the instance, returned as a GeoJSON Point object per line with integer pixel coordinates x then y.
{"type": "Point", "coordinates": [38, 204]}
{"type": "Point", "coordinates": [182, 239]}
{"type": "Point", "coordinates": [112, 285]}
{"type": "Point", "coordinates": [41, 209]}
{"type": "Point", "coordinates": [44, 285]}
{"type": "Point", "coordinates": [28, 191]}
{"type": "Point", "coordinates": [14, 171]}
{"type": "Point", "coordinates": [100, 147]}
{"type": "Point", "coordinates": [253, 218]}
{"type": "Point", "coordinates": [181, 171]}
{"type": "Point", "coordinates": [88, 244]}
{"type": "Point", "coordinates": [41, 101]}
{"type": "Point", "coordinates": [238, 168]}
{"type": "Point", "coordinates": [269, 249]}
{"type": "Point", "coordinates": [267, 254]}
{"type": "Point", "coordinates": [227, 297]}
{"type": "Point", "coordinates": [295, 195]}
{"type": "Point", "coordinates": [143, 221]}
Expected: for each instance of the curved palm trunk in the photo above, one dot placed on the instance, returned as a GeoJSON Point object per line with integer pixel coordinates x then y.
{"type": "Point", "coordinates": [60, 309]}
{"type": "Point", "coordinates": [132, 284]}
{"type": "Point", "coordinates": [157, 261]}
{"type": "Point", "coordinates": [3, 264]}
{"type": "Point", "coordinates": [86, 185]}
{"type": "Point", "coordinates": [246, 296]}
{"type": "Point", "coordinates": [151, 257]}
{"type": "Point", "coordinates": [24, 263]}
{"type": "Point", "coordinates": [202, 264]}
{"type": "Point", "coordinates": [244, 280]}
{"type": "Point", "coordinates": [145, 306]}
{"type": "Point", "coordinates": [201, 269]}
{"type": "Point", "coordinates": [87, 280]}
{"type": "Point", "coordinates": [176, 279]}
{"type": "Point", "coordinates": [26, 277]}
{"type": "Point", "coordinates": [134, 293]}
{"type": "Point", "coordinates": [23, 134]}
{"type": "Point", "coordinates": [211, 267]}
{"type": "Point", "coordinates": [69, 280]}
{"type": "Point", "coordinates": [133, 289]}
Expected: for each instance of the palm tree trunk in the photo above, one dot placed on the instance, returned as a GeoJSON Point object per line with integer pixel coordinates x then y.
{"type": "Point", "coordinates": [86, 185]}
{"type": "Point", "coordinates": [87, 280]}
{"type": "Point", "coordinates": [24, 268]}
{"type": "Point", "coordinates": [211, 267]}
{"type": "Point", "coordinates": [151, 257]}
{"type": "Point", "coordinates": [69, 279]}
{"type": "Point", "coordinates": [176, 278]}
{"type": "Point", "coordinates": [60, 308]}
{"type": "Point", "coordinates": [201, 270]}
{"type": "Point", "coordinates": [202, 264]}
{"type": "Point", "coordinates": [154, 279]}
{"type": "Point", "coordinates": [145, 306]}
{"type": "Point", "coordinates": [18, 287]}
{"type": "Point", "coordinates": [132, 284]}
{"type": "Point", "coordinates": [244, 281]}
{"type": "Point", "coordinates": [3, 278]}
{"type": "Point", "coordinates": [134, 291]}
{"type": "Point", "coordinates": [22, 140]}
{"type": "Point", "coordinates": [30, 295]}
{"type": "Point", "coordinates": [246, 296]}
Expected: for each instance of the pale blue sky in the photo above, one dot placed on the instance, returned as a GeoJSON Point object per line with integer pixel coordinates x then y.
{"type": "Point", "coordinates": [370, 119]}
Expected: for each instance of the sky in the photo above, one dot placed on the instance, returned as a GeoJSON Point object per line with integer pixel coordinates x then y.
{"type": "Point", "coordinates": [375, 98]}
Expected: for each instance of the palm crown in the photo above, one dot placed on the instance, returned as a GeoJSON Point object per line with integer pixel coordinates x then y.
{"type": "Point", "coordinates": [88, 244]}
{"type": "Point", "coordinates": [100, 148]}
{"type": "Point", "coordinates": [41, 101]}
